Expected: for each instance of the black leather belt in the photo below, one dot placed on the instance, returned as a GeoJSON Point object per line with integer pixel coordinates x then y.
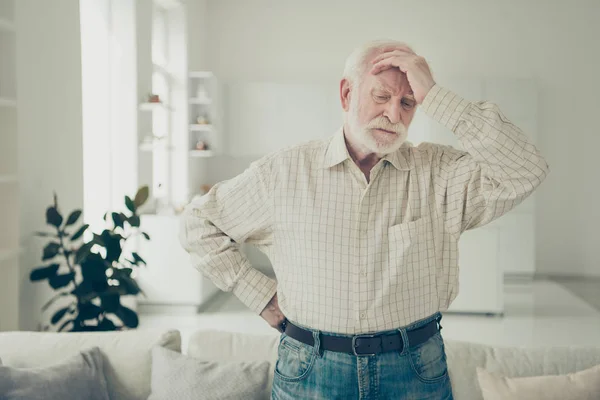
{"type": "Point", "coordinates": [365, 345]}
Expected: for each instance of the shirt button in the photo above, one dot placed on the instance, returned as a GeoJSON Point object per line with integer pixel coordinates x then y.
{"type": "Point", "coordinates": [363, 315]}
{"type": "Point", "coordinates": [364, 272]}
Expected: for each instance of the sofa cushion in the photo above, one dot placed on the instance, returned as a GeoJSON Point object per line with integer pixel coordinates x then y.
{"type": "Point", "coordinates": [180, 377]}
{"type": "Point", "coordinates": [213, 345]}
{"type": "Point", "coordinates": [582, 385]}
{"type": "Point", "coordinates": [127, 354]}
{"type": "Point", "coordinates": [464, 358]}
{"type": "Point", "coordinates": [77, 377]}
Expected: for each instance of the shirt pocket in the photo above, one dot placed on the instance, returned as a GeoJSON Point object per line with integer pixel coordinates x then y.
{"type": "Point", "coordinates": [409, 256]}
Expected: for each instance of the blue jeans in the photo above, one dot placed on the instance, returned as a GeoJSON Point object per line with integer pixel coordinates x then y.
{"type": "Point", "coordinates": [308, 372]}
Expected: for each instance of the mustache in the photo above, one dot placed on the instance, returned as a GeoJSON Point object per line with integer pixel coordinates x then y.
{"type": "Point", "coordinates": [385, 124]}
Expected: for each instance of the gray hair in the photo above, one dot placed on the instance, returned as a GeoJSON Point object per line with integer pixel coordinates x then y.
{"type": "Point", "coordinates": [356, 63]}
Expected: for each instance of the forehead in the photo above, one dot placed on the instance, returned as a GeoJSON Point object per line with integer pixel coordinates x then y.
{"type": "Point", "coordinates": [392, 80]}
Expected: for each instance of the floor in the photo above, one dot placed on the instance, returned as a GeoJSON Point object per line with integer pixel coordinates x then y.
{"type": "Point", "coordinates": [537, 313]}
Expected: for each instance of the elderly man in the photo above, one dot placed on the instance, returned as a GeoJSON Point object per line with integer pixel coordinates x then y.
{"type": "Point", "coordinates": [362, 230]}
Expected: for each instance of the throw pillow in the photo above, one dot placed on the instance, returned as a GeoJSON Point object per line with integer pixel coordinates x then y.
{"type": "Point", "coordinates": [582, 385]}
{"type": "Point", "coordinates": [176, 376]}
{"type": "Point", "coordinates": [78, 377]}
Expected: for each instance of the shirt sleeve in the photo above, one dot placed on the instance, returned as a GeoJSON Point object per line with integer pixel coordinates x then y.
{"type": "Point", "coordinates": [213, 227]}
{"type": "Point", "coordinates": [498, 169]}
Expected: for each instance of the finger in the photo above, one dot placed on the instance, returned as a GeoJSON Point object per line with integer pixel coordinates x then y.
{"type": "Point", "coordinates": [389, 63]}
{"type": "Point", "coordinates": [394, 53]}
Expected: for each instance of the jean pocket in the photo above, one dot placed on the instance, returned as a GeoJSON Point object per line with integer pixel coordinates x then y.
{"type": "Point", "coordinates": [428, 360]}
{"type": "Point", "coordinates": [294, 359]}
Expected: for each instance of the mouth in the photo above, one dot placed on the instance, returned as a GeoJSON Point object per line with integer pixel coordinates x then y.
{"type": "Point", "coordinates": [386, 131]}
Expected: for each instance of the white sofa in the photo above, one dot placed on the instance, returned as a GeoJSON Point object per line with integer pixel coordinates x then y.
{"type": "Point", "coordinates": [129, 358]}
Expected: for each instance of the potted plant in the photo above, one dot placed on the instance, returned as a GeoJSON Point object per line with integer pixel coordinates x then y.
{"type": "Point", "coordinates": [92, 275]}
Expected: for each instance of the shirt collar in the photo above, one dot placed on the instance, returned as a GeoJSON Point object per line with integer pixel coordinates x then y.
{"type": "Point", "coordinates": [337, 152]}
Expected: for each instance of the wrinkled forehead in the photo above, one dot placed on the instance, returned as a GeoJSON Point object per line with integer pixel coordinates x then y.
{"type": "Point", "coordinates": [392, 80]}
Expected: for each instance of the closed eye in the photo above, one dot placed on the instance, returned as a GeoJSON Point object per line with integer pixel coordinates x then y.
{"type": "Point", "coordinates": [408, 103]}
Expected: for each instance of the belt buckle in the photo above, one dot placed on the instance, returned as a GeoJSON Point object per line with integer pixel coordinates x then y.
{"type": "Point", "coordinates": [354, 344]}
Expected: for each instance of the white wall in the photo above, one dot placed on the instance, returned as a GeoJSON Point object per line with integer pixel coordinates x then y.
{"type": "Point", "coordinates": [49, 120]}
{"type": "Point", "coordinates": [552, 43]}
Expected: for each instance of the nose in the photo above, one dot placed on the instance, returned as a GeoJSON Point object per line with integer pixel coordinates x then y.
{"type": "Point", "coordinates": [393, 112]}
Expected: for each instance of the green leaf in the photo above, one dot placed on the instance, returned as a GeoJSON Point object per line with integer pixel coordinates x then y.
{"type": "Point", "coordinates": [128, 283]}
{"type": "Point", "coordinates": [118, 219]}
{"type": "Point", "coordinates": [43, 272]}
{"type": "Point", "coordinates": [134, 221]}
{"type": "Point", "coordinates": [111, 302]}
{"type": "Point", "coordinates": [146, 235]}
{"type": "Point", "coordinates": [53, 217]}
{"type": "Point", "coordinates": [67, 322]}
{"type": "Point", "coordinates": [141, 196]}
{"type": "Point", "coordinates": [53, 299]}
{"type": "Point", "coordinates": [79, 232]}
{"type": "Point", "coordinates": [112, 243]}
{"type": "Point", "coordinates": [128, 316]}
{"type": "Point", "coordinates": [45, 234]}
{"type": "Point", "coordinates": [98, 239]}
{"type": "Point", "coordinates": [107, 325]}
{"type": "Point", "coordinates": [60, 281]}
{"type": "Point", "coordinates": [58, 315]}
{"type": "Point", "coordinates": [84, 291]}
{"type": "Point", "coordinates": [129, 203]}
{"type": "Point", "coordinates": [83, 252]}
{"type": "Point", "coordinates": [50, 251]}
{"type": "Point", "coordinates": [138, 259]}
{"type": "Point", "coordinates": [89, 311]}
{"type": "Point", "coordinates": [73, 217]}
{"type": "Point", "coordinates": [93, 268]}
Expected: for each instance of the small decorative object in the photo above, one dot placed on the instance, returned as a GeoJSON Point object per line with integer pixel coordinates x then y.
{"type": "Point", "coordinates": [153, 98]}
{"type": "Point", "coordinates": [202, 120]}
{"type": "Point", "coordinates": [201, 145]}
{"type": "Point", "coordinates": [95, 274]}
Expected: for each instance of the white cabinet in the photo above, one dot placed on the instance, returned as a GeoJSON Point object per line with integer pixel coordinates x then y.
{"type": "Point", "coordinates": [169, 278]}
{"type": "Point", "coordinates": [481, 275]}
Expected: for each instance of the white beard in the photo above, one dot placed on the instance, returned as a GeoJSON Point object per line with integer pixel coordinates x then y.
{"type": "Point", "coordinates": [375, 142]}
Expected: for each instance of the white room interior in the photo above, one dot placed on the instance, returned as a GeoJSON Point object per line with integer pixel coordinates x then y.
{"type": "Point", "coordinates": [73, 115]}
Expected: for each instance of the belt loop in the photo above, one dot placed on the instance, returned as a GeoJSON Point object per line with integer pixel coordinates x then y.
{"type": "Point", "coordinates": [317, 343]}
{"type": "Point", "coordinates": [405, 343]}
{"type": "Point", "coordinates": [439, 320]}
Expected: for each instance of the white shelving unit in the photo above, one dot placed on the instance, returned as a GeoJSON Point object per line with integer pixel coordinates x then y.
{"type": "Point", "coordinates": [151, 106]}
{"type": "Point", "coordinates": [201, 153]}
{"type": "Point", "coordinates": [9, 177]}
{"type": "Point", "coordinates": [203, 114]}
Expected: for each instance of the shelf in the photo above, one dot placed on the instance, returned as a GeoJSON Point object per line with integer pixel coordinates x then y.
{"type": "Point", "coordinates": [201, 74]}
{"type": "Point", "coordinates": [7, 102]}
{"type": "Point", "coordinates": [196, 100]}
{"type": "Point", "coordinates": [6, 255]}
{"type": "Point", "coordinates": [152, 106]}
{"type": "Point", "coordinates": [201, 127]}
{"type": "Point", "coordinates": [8, 179]}
{"type": "Point", "coordinates": [6, 25]}
{"type": "Point", "coordinates": [201, 153]}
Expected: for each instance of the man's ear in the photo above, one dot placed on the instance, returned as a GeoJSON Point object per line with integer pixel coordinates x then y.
{"type": "Point", "coordinates": [345, 90]}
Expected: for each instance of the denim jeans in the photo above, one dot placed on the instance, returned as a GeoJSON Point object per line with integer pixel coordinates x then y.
{"type": "Point", "coordinates": [414, 373]}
